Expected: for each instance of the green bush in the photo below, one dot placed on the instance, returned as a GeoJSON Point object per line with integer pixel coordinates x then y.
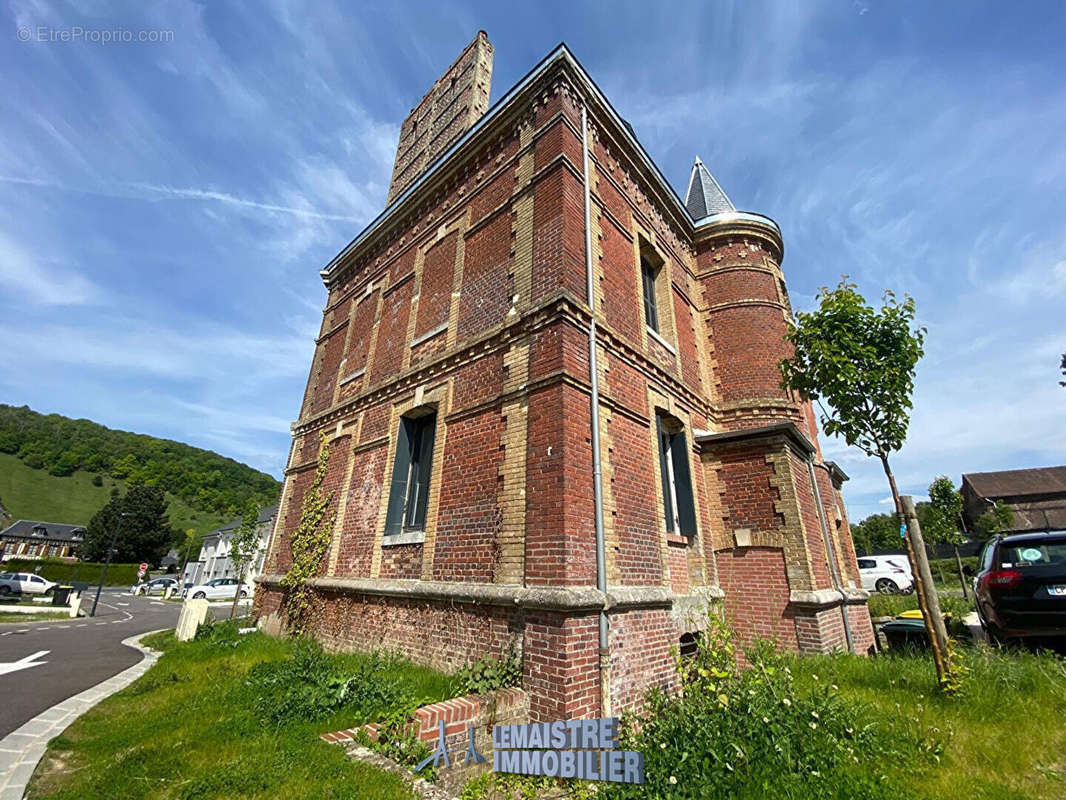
{"type": "Point", "coordinates": [489, 674]}
{"type": "Point", "coordinates": [312, 685]}
{"type": "Point", "coordinates": [751, 733]}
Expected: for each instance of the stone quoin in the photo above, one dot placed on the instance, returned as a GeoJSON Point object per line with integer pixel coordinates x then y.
{"type": "Point", "coordinates": [452, 382]}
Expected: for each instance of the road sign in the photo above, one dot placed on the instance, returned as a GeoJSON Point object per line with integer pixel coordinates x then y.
{"type": "Point", "coordinates": [143, 567]}
{"type": "Point", "coordinates": [140, 573]}
{"type": "Point", "coordinates": [24, 663]}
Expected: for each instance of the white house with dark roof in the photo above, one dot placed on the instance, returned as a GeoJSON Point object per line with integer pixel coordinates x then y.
{"type": "Point", "coordinates": [29, 538]}
{"type": "Point", "coordinates": [214, 560]}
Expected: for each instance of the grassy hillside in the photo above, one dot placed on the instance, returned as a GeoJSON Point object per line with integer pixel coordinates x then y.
{"type": "Point", "coordinates": [34, 494]}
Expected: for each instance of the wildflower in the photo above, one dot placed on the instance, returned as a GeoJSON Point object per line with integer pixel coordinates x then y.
{"type": "Point", "coordinates": [850, 730]}
{"type": "Point", "coordinates": [673, 780]}
{"type": "Point", "coordinates": [662, 745]}
{"type": "Point", "coordinates": [834, 687]}
{"type": "Point", "coordinates": [814, 676]}
{"type": "Point", "coordinates": [766, 720]}
{"type": "Point", "coordinates": [814, 714]}
{"type": "Point", "coordinates": [816, 773]}
{"type": "Point", "coordinates": [814, 725]}
{"type": "Point", "coordinates": [787, 702]}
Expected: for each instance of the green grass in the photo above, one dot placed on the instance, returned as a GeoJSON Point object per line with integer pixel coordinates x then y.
{"type": "Point", "coordinates": [29, 493]}
{"type": "Point", "coordinates": [188, 729]}
{"type": "Point", "coordinates": [1003, 739]}
{"type": "Point", "coordinates": [14, 617]}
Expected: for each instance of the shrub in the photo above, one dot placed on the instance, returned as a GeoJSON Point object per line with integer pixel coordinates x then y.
{"type": "Point", "coordinates": [311, 685]}
{"type": "Point", "coordinates": [489, 674]}
{"type": "Point", "coordinates": [752, 734]}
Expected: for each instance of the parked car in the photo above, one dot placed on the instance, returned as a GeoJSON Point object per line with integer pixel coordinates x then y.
{"type": "Point", "coordinates": [886, 574]}
{"type": "Point", "coordinates": [24, 583]}
{"type": "Point", "coordinates": [217, 589]}
{"type": "Point", "coordinates": [1021, 586]}
{"type": "Point", "coordinates": [156, 585]}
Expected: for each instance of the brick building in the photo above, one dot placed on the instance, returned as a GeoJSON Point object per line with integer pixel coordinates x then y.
{"type": "Point", "coordinates": [496, 482]}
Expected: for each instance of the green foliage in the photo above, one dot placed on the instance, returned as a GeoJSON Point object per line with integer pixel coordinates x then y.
{"type": "Point", "coordinates": [945, 511]}
{"type": "Point", "coordinates": [488, 674]}
{"type": "Point", "coordinates": [997, 518]}
{"type": "Point", "coordinates": [308, 543]}
{"type": "Point", "coordinates": [139, 518]}
{"type": "Point", "coordinates": [244, 544]}
{"type": "Point", "coordinates": [60, 446]}
{"type": "Point", "coordinates": [312, 685]}
{"type": "Point", "coordinates": [861, 362]}
{"type": "Point", "coordinates": [877, 532]}
{"type": "Point", "coordinates": [753, 733]}
{"type": "Point", "coordinates": [397, 738]}
{"type": "Point", "coordinates": [892, 605]}
{"type": "Point", "coordinates": [1062, 366]}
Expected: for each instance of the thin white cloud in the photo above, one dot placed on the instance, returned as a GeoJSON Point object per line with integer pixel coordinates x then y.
{"type": "Point", "coordinates": [28, 277]}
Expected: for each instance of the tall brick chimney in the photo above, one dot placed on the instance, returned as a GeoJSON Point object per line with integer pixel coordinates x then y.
{"type": "Point", "coordinates": [458, 99]}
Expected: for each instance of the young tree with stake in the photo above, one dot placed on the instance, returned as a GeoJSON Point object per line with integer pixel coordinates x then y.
{"type": "Point", "coordinates": [244, 548]}
{"type": "Point", "coordinates": [861, 362]}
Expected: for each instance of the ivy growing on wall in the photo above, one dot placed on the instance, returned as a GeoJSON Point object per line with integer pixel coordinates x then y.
{"type": "Point", "coordinates": [309, 543]}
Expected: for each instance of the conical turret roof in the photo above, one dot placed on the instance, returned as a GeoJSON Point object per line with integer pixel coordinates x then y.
{"type": "Point", "coordinates": [704, 196]}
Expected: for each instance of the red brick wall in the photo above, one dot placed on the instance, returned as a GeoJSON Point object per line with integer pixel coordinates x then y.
{"type": "Point", "coordinates": [622, 295]}
{"type": "Point", "coordinates": [636, 512]}
{"type": "Point", "coordinates": [435, 292]}
{"type": "Point", "coordinates": [468, 520]}
{"type": "Point", "coordinates": [748, 498]}
{"type": "Point", "coordinates": [356, 545]}
{"type": "Point", "coordinates": [757, 595]}
{"type": "Point", "coordinates": [392, 333]}
{"type": "Point", "coordinates": [487, 285]}
{"type": "Point", "coordinates": [401, 561]}
{"type": "Point", "coordinates": [642, 644]}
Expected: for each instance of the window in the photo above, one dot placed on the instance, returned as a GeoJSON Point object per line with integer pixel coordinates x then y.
{"type": "Point", "coordinates": [678, 506]}
{"type": "Point", "coordinates": [410, 474]}
{"type": "Point", "coordinates": [649, 272]}
{"type": "Point", "coordinates": [867, 563]}
{"type": "Point", "coordinates": [689, 644]}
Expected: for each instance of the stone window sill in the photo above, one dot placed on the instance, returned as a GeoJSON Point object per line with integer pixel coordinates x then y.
{"type": "Point", "coordinates": [673, 538]}
{"type": "Point", "coordinates": [658, 337]}
{"type": "Point", "coordinates": [408, 537]}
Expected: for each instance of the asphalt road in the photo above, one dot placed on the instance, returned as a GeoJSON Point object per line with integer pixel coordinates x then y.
{"type": "Point", "coordinates": [81, 652]}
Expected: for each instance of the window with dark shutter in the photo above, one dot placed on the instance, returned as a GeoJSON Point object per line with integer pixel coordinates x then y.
{"type": "Point", "coordinates": [411, 474]}
{"type": "Point", "coordinates": [651, 309]}
{"type": "Point", "coordinates": [679, 508]}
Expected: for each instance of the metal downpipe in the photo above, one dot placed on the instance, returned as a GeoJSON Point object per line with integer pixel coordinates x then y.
{"type": "Point", "coordinates": [831, 555]}
{"type": "Point", "coordinates": [597, 468]}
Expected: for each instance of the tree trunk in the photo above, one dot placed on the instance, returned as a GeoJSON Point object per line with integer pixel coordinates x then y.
{"type": "Point", "coordinates": [928, 601]}
{"type": "Point", "coordinates": [237, 593]}
{"type": "Point", "coordinates": [962, 575]}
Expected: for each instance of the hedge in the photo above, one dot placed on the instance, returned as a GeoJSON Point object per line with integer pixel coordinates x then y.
{"type": "Point", "coordinates": [61, 571]}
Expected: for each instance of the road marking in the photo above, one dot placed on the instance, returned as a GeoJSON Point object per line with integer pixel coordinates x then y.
{"type": "Point", "coordinates": [23, 630]}
{"type": "Point", "coordinates": [157, 603]}
{"type": "Point", "coordinates": [6, 633]}
{"type": "Point", "coordinates": [24, 663]}
{"type": "Point", "coordinates": [44, 628]}
{"type": "Point", "coordinates": [122, 604]}
{"type": "Point", "coordinates": [59, 626]}
{"type": "Point", "coordinates": [83, 625]}
{"type": "Point", "coordinates": [101, 623]}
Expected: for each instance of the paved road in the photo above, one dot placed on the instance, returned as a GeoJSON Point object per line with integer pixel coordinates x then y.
{"type": "Point", "coordinates": [82, 652]}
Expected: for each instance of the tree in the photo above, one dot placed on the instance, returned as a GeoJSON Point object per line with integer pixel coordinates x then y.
{"type": "Point", "coordinates": [945, 519]}
{"type": "Point", "coordinates": [877, 532]}
{"type": "Point", "coordinates": [244, 547]}
{"type": "Point", "coordinates": [861, 362]}
{"type": "Point", "coordinates": [143, 535]}
{"type": "Point", "coordinates": [998, 518]}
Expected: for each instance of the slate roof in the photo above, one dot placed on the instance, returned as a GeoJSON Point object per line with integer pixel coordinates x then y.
{"type": "Point", "coordinates": [53, 531]}
{"type": "Point", "coordinates": [704, 196]}
{"type": "Point", "coordinates": [1018, 482]}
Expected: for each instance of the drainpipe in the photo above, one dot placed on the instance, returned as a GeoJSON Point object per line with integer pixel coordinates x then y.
{"type": "Point", "coordinates": [831, 553]}
{"type": "Point", "coordinates": [597, 469]}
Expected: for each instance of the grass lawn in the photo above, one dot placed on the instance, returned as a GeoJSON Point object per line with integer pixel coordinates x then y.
{"type": "Point", "coordinates": [1004, 739]}
{"type": "Point", "coordinates": [890, 605]}
{"type": "Point", "coordinates": [10, 616]}
{"type": "Point", "coordinates": [34, 494]}
{"type": "Point", "coordinates": [195, 726]}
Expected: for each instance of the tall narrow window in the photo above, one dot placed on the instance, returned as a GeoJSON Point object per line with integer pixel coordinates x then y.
{"type": "Point", "coordinates": [678, 505]}
{"type": "Point", "coordinates": [411, 474]}
{"type": "Point", "coordinates": [648, 272]}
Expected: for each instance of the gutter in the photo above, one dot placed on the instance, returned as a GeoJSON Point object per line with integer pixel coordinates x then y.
{"type": "Point", "coordinates": [834, 570]}
{"type": "Point", "coordinates": [597, 467]}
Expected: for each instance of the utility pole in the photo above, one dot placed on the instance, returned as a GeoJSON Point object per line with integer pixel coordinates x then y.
{"type": "Point", "coordinates": [107, 562]}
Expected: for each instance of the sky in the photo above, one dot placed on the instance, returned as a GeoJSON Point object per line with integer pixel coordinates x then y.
{"type": "Point", "coordinates": [166, 204]}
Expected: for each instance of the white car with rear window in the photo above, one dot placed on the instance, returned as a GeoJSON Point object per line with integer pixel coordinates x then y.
{"type": "Point", "coordinates": [217, 589]}
{"type": "Point", "coordinates": [24, 583]}
{"type": "Point", "coordinates": [889, 574]}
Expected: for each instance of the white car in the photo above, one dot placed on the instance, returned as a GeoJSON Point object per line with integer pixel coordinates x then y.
{"type": "Point", "coordinates": [217, 589]}
{"type": "Point", "coordinates": [889, 574]}
{"type": "Point", "coordinates": [24, 583]}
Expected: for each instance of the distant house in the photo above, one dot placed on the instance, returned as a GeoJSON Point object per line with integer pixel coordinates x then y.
{"type": "Point", "coordinates": [1036, 497]}
{"type": "Point", "coordinates": [215, 561]}
{"type": "Point", "coordinates": [31, 539]}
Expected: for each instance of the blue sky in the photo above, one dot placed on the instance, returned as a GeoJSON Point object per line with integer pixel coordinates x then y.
{"type": "Point", "coordinates": [165, 207]}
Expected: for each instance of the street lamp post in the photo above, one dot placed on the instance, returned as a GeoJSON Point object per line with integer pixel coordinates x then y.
{"type": "Point", "coordinates": [107, 562]}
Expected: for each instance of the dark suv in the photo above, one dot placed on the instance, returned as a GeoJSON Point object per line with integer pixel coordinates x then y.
{"type": "Point", "coordinates": [1021, 586]}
